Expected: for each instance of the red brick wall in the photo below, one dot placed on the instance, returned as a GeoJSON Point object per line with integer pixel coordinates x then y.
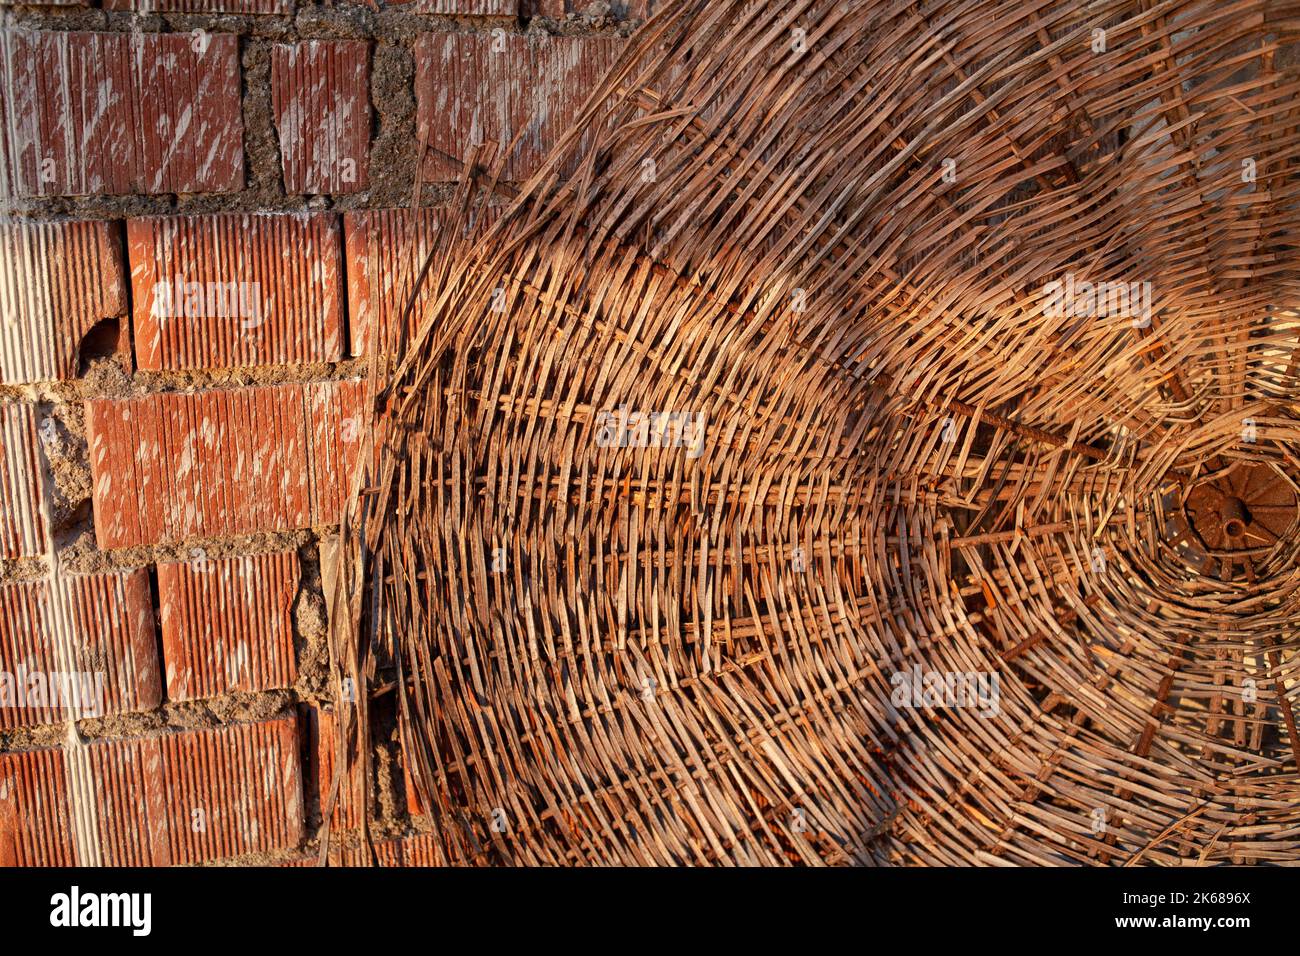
{"type": "Point", "coordinates": [205, 216]}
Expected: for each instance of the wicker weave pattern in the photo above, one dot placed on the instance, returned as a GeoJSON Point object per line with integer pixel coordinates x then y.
{"type": "Point", "coordinates": [855, 242]}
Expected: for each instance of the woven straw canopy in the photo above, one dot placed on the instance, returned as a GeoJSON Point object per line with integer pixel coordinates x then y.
{"type": "Point", "coordinates": [870, 439]}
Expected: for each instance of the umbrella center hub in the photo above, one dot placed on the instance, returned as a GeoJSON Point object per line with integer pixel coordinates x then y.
{"type": "Point", "coordinates": [1234, 516]}
{"type": "Point", "coordinates": [1241, 512]}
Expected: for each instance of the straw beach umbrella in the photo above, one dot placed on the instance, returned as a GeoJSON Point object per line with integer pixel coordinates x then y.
{"type": "Point", "coordinates": [871, 438]}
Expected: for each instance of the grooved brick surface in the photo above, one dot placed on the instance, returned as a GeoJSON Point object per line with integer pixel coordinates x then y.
{"type": "Point", "coordinates": [119, 113]}
{"type": "Point", "coordinates": [22, 483]}
{"type": "Point", "coordinates": [98, 627]}
{"type": "Point", "coordinates": [226, 623]}
{"type": "Point", "coordinates": [414, 807]}
{"type": "Point", "coordinates": [473, 88]}
{"type": "Point", "coordinates": [236, 290]}
{"type": "Point", "coordinates": [385, 250]}
{"type": "Point", "coordinates": [178, 798]}
{"type": "Point", "coordinates": [322, 741]}
{"type": "Point", "coordinates": [35, 829]}
{"type": "Point", "coordinates": [203, 6]}
{"type": "Point", "coordinates": [168, 799]}
{"type": "Point", "coordinates": [320, 92]}
{"type": "Point", "coordinates": [57, 279]}
{"type": "Point", "coordinates": [420, 849]}
{"type": "Point", "coordinates": [167, 467]}
{"type": "Point", "coordinates": [618, 9]}
{"type": "Point", "coordinates": [473, 8]}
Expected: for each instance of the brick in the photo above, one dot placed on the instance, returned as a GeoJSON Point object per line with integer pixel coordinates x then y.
{"type": "Point", "coordinates": [236, 290]}
{"type": "Point", "coordinates": [467, 8]}
{"type": "Point", "coordinates": [57, 280]}
{"type": "Point", "coordinates": [22, 483]}
{"type": "Point", "coordinates": [414, 807]}
{"type": "Point", "coordinates": [473, 88]}
{"type": "Point", "coordinates": [618, 9]}
{"type": "Point", "coordinates": [420, 849]}
{"type": "Point", "coordinates": [167, 467]}
{"type": "Point", "coordinates": [164, 800]}
{"type": "Point", "coordinates": [119, 113]}
{"type": "Point", "coordinates": [385, 250]}
{"type": "Point", "coordinates": [100, 625]}
{"type": "Point", "coordinates": [227, 623]}
{"type": "Point", "coordinates": [35, 827]}
{"type": "Point", "coordinates": [279, 7]}
{"type": "Point", "coordinates": [322, 741]}
{"type": "Point", "coordinates": [320, 94]}
{"type": "Point", "coordinates": [188, 797]}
